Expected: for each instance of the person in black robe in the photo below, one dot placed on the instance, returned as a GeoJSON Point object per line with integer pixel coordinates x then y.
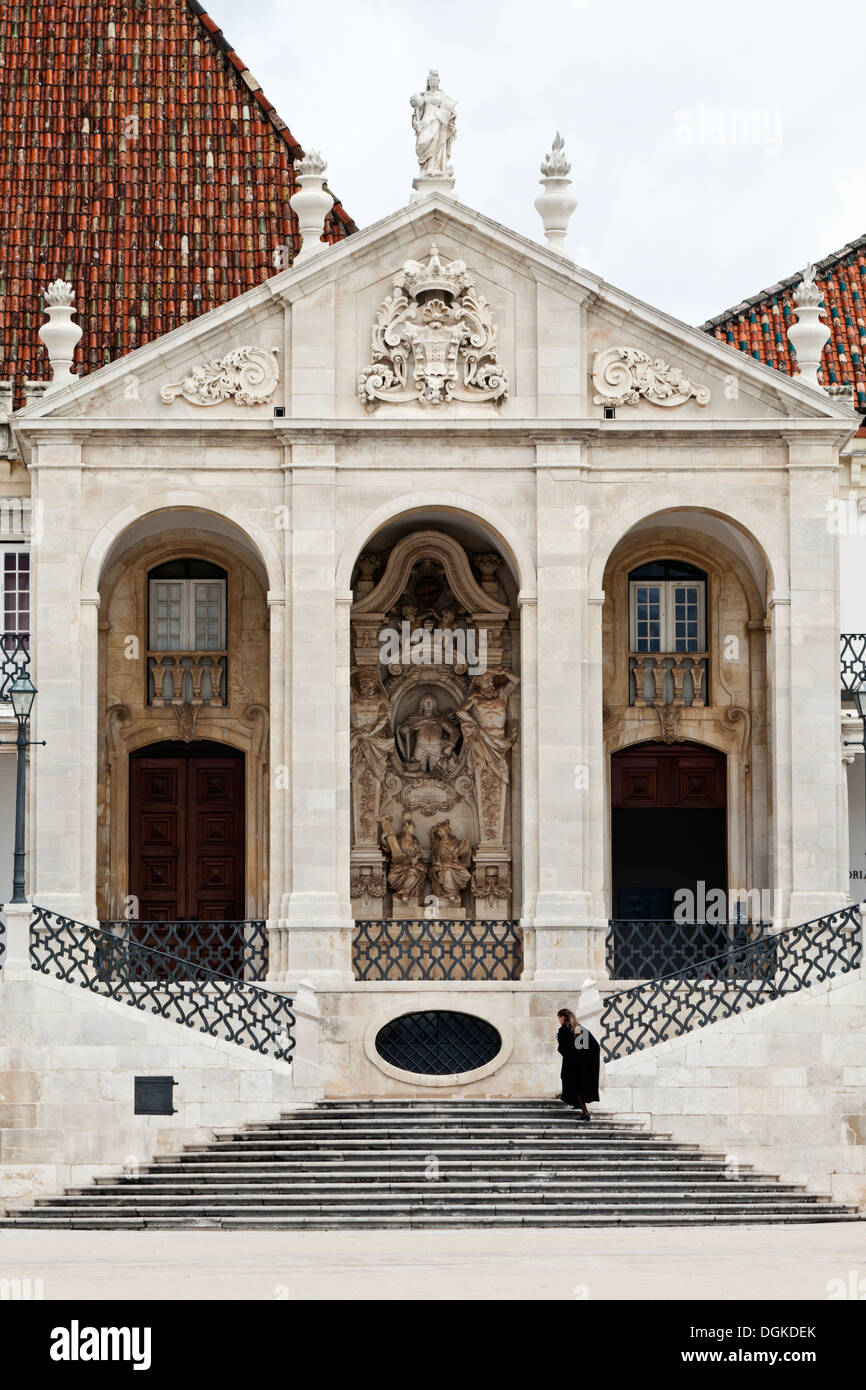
{"type": "Point", "coordinates": [580, 1062]}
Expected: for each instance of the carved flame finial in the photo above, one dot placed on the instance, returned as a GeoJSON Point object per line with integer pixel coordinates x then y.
{"type": "Point", "coordinates": [312, 163]}
{"type": "Point", "coordinates": [808, 335]}
{"type": "Point", "coordinates": [60, 335]}
{"type": "Point", "coordinates": [555, 164]}
{"type": "Point", "coordinates": [59, 294]}
{"type": "Point", "coordinates": [555, 204]}
{"type": "Point", "coordinates": [311, 204]}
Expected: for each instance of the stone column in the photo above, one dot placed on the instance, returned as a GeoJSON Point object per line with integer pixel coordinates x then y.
{"type": "Point", "coordinates": [279, 791]}
{"type": "Point", "coordinates": [806, 737]}
{"type": "Point", "coordinates": [318, 916]}
{"type": "Point", "coordinates": [63, 801]}
{"type": "Point", "coordinates": [568, 939]}
{"type": "Point", "coordinates": [528, 604]}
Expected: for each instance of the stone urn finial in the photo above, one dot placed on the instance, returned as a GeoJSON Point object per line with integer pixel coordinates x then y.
{"type": "Point", "coordinates": [556, 204]}
{"type": "Point", "coordinates": [311, 204]}
{"type": "Point", "coordinates": [807, 335]}
{"type": "Point", "coordinates": [60, 335]}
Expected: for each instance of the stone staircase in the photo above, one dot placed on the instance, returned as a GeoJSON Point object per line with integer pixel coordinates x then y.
{"type": "Point", "coordinates": [439, 1163]}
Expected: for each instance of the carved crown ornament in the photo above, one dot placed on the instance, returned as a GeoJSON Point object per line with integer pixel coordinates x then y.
{"type": "Point", "coordinates": [434, 340]}
{"type": "Point", "coordinates": [626, 375]}
{"type": "Point", "coordinates": [247, 375]}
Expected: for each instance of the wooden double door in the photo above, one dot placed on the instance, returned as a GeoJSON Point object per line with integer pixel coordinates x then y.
{"type": "Point", "coordinates": [668, 827]}
{"type": "Point", "coordinates": [187, 833]}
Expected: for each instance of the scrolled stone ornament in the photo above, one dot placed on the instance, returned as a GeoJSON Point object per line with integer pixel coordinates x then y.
{"type": "Point", "coordinates": [434, 340]}
{"type": "Point", "coordinates": [247, 375]}
{"type": "Point", "coordinates": [626, 375]}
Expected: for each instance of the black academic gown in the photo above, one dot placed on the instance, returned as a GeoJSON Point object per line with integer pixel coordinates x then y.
{"type": "Point", "coordinates": [579, 1070]}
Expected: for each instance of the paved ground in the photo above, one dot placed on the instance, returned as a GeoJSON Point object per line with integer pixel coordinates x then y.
{"type": "Point", "coordinates": [754, 1263]}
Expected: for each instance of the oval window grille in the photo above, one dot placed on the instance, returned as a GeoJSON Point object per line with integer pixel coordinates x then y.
{"type": "Point", "coordinates": [438, 1043]}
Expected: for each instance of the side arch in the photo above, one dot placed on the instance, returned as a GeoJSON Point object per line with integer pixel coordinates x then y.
{"type": "Point", "coordinates": [617, 528]}
{"type": "Point", "coordinates": [186, 500]}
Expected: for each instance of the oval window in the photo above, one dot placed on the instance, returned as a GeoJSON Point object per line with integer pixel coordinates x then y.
{"type": "Point", "coordinates": [438, 1042]}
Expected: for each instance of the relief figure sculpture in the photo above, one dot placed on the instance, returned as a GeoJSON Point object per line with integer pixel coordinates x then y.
{"type": "Point", "coordinates": [427, 739]}
{"type": "Point", "coordinates": [407, 870]}
{"type": "Point", "coordinates": [449, 858]}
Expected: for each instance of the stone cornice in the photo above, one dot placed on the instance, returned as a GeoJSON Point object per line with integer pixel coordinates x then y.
{"type": "Point", "coordinates": [594, 431]}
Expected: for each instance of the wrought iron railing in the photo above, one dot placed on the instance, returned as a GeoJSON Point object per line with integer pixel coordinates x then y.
{"type": "Point", "coordinates": [14, 659]}
{"type": "Point", "coordinates": [640, 949]}
{"type": "Point", "coordinates": [184, 992]}
{"type": "Point", "coordinates": [853, 660]}
{"type": "Point", "coordinates": [742, 978]}
{"type": "Point", "coordinates": [436, 949]}
{"type": "Point", "coordinates": [239, 949]}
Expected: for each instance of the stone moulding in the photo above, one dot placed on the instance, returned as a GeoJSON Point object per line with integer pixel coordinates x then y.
{"type": "Point", "coordinates": [626, 375]}
{"type": "Point", "coordinates": [247, 375]}
{"type": "Point", "coordinates": [434, 340]}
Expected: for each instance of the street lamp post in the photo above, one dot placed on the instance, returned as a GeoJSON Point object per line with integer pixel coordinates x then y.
{"type": "Point", "coordinates": [22, 693]}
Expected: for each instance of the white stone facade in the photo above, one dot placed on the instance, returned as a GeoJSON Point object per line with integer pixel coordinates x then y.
{"type": "Point", "coordinates": [705, 454]}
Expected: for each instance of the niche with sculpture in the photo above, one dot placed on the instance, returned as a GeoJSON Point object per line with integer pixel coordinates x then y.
{"type": "Point", "coordinates": [434, 729]}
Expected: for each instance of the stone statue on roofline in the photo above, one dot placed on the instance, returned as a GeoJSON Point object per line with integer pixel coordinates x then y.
{"type": "Point", "coordinates": [434, 121]}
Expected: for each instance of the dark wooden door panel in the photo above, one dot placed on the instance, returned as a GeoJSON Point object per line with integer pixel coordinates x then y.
{"type": "Point", "coordinates": [186, 837]}
{"type": "Point", "coordinates": [658, 776]}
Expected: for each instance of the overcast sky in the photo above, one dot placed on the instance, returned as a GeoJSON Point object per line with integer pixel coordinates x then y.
{"type": "Point", "coordinates": [715, 148]}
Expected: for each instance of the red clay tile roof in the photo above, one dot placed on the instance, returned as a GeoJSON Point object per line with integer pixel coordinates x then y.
{"type": "Point", "coordinates": [758, 325]}
{"type": "Point", "coordinates": [139, 159]}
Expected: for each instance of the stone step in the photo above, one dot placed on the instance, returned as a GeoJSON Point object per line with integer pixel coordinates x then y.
{"type": "Point", "coordinates": [465, 1157]}
{"type": "Point", "coordinates": [400, 1179]}
{"type": "Point", "coordinates": [412, 1219]}
{"type": "Point", "coordinates": [450, 1196]}
{"type": "Point", "coordinates": [365, 1165]}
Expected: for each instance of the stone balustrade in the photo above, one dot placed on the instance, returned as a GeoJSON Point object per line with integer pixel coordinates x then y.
{"type": "Point", "coordinates": [667, 678]}
{"type": "Point", "coordinates": [187, 677]}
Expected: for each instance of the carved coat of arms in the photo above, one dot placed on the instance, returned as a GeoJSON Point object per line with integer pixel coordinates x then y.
{"type": "Point", "coordinates": [434, 340]}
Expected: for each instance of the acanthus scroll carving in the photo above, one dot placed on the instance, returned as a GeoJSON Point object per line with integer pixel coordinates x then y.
{"type": "Point", "coordinates": [248, 376]}
{"type": "Point", "coordinates": [625, 375]}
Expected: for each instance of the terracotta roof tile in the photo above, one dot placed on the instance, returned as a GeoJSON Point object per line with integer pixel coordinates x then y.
{"type": "Point", "coordinates": [139, 159]}
{"type": "Point", "coordinates": [758, 325]}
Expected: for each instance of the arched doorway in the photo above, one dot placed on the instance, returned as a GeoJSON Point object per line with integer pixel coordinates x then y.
{"type": "Point", "coordinates": [668, 841]}
{"type": "Point", "coordinates": [187, 832]}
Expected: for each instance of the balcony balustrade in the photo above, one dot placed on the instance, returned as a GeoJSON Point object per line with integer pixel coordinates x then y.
{"type": "Point", "coordinates": [197, 678]}
{"type": "Point", "coordinates": [667, 678]}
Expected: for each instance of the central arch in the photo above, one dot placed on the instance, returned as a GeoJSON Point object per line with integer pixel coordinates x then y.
{"type": "Point", "coordinates": [434, 720]}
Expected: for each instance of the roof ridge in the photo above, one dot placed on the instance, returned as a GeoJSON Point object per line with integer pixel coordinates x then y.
{"type": "Point", "coordinates": [788, 282]}
{"type": "Point", "coordinates": [215, 33]}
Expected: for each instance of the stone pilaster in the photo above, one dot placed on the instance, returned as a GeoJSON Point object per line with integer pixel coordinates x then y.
{"type": "Point", "coordinates": [805, 639]}
{"type": "Point", "coordinates": [318, 916]}
{"type": "Point", "coordinates": [568, 938]}
{"type": "Point", "coordinates": [63, 800]}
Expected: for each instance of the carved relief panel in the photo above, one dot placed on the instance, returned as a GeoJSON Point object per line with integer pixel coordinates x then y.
{"type": "Point", "coordinates": [434, 722]}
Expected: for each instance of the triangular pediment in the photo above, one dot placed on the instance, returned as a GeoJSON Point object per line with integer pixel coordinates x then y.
{"type": "Point", "coordinates": [568, 343]}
